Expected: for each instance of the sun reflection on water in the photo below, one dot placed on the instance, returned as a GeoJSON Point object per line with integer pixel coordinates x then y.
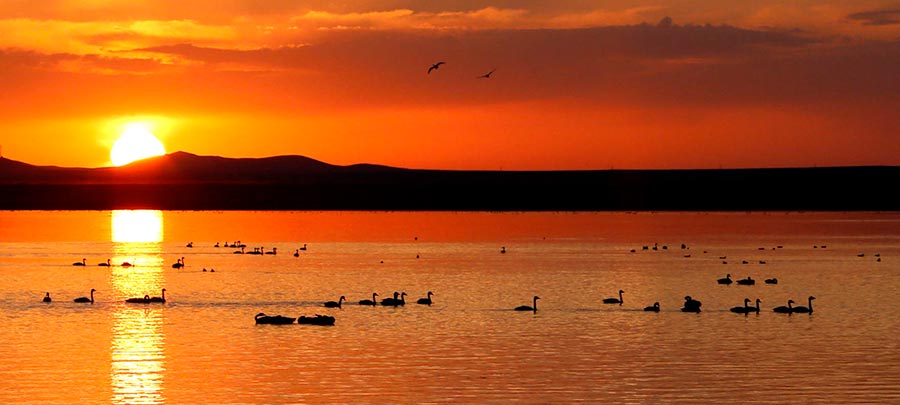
{"type": "Point", "coordinates": [137, 349]}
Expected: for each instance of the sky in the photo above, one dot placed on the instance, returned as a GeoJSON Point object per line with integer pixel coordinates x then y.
{"type": "Point", "coordinates": [578, 85]}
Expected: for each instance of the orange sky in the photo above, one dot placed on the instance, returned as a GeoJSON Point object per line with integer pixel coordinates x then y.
{"type": "Point", "coordinates": [578, 85]}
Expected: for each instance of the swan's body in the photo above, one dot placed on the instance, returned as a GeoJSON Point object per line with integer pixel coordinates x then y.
{"type": "Point", "coordinates": [323, 320]}
{"type": "Point", "coordinates": [784, 309]}
{"type": "Point", "coordinates": [805, 310]}
{"type": "Point", "coordinates": [263, 319]}
{"type": "Point", "coordinates": [178, 264]}
{"type": "Point", "coordinates": [47, 298]}
{"type": "Point", "coordinates": [297, 253]}
{"type": "Point", "coordinates": [653, 308]}
{"type": "Point", "coordinates": [614, 300]}
{"type": "Point", "coordinates": [127, 264]}
{"type": "Point", "coordinates": [747, 281]}
{"type": "Point", "coordinates": [532, 308]}
{"type": "Point", "coordinates": [726, 280]}
{"type": "Point", "coordinates": [274, 251]}
{"type": "Point", "coordinates": [371, 302]}
{"type": "Point", "coordinates": [425, 301]}
{"type": "Point", "coordinates": [81, 263]}
{"type": "Point", "coordinates": [160, 299]}
{"type": "Point", "coordinates": [335, 304]}
{"type": "Point", "coordinates": [107, 264]}
{"type": "Point", "coordinates": [691, 305]}
{"type": "Point", "coordinates": [744, 309]}
{"type": "Point", "coordinates": [302, 247]}
{"type": "Point", "coordinates": [145, 300]}
{"type": "Point", "coordinates": [395, 301]}
{"type": "Point", "coordinates": [86, 299]}
{"type": "Point", "coordinates": [771, 281]}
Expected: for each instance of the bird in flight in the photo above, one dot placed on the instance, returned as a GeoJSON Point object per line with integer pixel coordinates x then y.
{"type": "Point", "coordinates": [435, 66]}
{"type": "Point", "coordinates": [487, 75]}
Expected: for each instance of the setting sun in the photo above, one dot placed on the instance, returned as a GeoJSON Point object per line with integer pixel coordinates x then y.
{"type": "Point", "coordinates": [136, 143]}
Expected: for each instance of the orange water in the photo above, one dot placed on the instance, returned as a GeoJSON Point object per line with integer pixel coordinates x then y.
{"type": "Point", "coordinates": [202, 346]}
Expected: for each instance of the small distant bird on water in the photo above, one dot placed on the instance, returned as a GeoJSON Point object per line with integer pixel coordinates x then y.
{"type": "Point", "coordinates": [435, 66]}
{"type": "Point", "coordinates": [487, 75]}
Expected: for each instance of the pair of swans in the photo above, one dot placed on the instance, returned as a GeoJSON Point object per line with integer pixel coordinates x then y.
{"type": "Point", "coordinates": [789, 309]}
{"type": "Point", "coordinates": [746, 309]}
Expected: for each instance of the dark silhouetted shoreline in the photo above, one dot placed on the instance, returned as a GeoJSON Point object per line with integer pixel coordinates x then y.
{"type": "Point", "coordinates": [182, 181]}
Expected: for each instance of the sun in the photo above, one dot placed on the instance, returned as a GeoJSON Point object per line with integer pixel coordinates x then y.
{"type": "Point", "coordinates": [136, 143]}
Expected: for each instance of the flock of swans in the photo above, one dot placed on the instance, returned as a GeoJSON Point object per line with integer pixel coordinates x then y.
{"type": "Point", "coordinates": [399, 298]}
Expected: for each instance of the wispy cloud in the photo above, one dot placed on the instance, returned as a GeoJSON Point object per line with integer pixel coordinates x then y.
{"type": "Point", "coordinates": [877, 17]}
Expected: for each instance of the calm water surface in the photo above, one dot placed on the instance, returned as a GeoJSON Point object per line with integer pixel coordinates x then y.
{"type": "Point", "coordinates": [203, 347]}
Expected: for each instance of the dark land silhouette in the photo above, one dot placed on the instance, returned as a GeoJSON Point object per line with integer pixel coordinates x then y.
{"type": "Point", "coordinates": [183, 181]}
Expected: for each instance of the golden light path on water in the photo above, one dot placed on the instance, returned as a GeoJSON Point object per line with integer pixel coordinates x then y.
{"type": "Point", "coordinates": [138, 339]}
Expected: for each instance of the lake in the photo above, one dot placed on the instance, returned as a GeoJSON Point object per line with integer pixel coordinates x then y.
{"type": "Point", "coordinates": [203, 346]}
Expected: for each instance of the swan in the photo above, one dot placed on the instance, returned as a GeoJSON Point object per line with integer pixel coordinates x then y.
{"type": "Point", "coordinates": [145, 300]}
{"type": "Point", "coordinates": [179, 264]}
{"type": "Point", "coordinates": [747, 281]}
{"type": "Point", "coordinates": [323, 320]}
{"type": "Point", "coordinates": [395, 301]}
{"type": "Point", "coordinates": [81, 263]}
{"type": "Point", "coordinates": [297, 253]}
{"type": "Point", "coordinates": [756, 308]}
{"type": "Point", "coordinates": [369, 302]}
{"type": "Point", "coordinates": [527, 308]}
{"type": "Point", "coordinates": [107, 264]}
{"type": "Point", "coordinates": [653, 308]}
{"type": "Point", "coordinates": [425, 301]}
{"type": "Point", "coordinates": [160, 299]}
{"type": "Point", "coordinates": [744, 309]}
{"type": "Point", "coordinates": [503, 249]}
{"type": "Point", "coordinates": [47, 298]}
{"type": "Point", "coordinates": [86, 299]}
{"type": "Point", "coordinates": [239, 252]}
{"type": "Point", "coordinates": [614, 300]}
{"type": "Point", "coordinates": [435, 66]}
{"type": "Point", "coordinates": [784, 309]}
{"type": "Point", "coordinates": [274, 251]}
{"type": "Point", "coordinates": [127, 264]}
{"type": "Point", "coordinates": [805, 310]}
{"type": "Point", "coordinates": [190, 244]}
{"type": "Point", "coordinates": [726, 280]}
{"type": "Point", "coordinates": [302, 247]}
{"type": "Point", "coordinates": [772, 281]}
{"type": "Point", "coordinates": [263, 319]}
{"type": "Point", "coordinates": [335, 304]}
{"type": "Point", "coordinates": [691, 305]}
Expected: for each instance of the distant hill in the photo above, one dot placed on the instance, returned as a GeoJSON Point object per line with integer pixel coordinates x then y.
{"type": "Point", "coordinates": [184, 181]}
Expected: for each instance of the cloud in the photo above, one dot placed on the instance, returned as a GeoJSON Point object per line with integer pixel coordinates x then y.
{"type": "Point", "coordinates": [877, 17]}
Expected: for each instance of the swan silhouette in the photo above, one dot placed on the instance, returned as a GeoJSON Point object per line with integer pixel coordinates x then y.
{"type": "Point", "coordinates": [239, 252]}
{"type": "Point", "coordinates": [744, 309]}
{"type": "Point", "coordinates": [395, 301]}
{"type": "Point", "coordinates": [145, 300]}
{"type": "Point", "coordinates": [274, 251]}
{"type": "Point", "coordinates": [302, 247]}
{"type": "Point", "coordinates": [179, 264]}
{"type": "Point", "coordinates": [160, 299]}
{"type": "Point", "coordinates": [435, 66]}
{"type": "Point", "coordinates": [614, 300]}
{"type": "Point", "coordinates": [805, 310]}
{"type": "Point", "coordinates": [107, 264]}
{"type": "Point", "coordinates": [81, 263]}
{"type": "Point", "coordinates": [652, 308]}
{"type": "Point", "coordinates": [726, 280]}
{"type": "Point", "coordinates": [335, 304]}
{"type": "Point", "coordinates": [503, 249]}
{"type": "Point", "coordinates": [691, 305]}
{"type": "Point", "coordinates": [47, 298]}
{"type": "Point", "coordinates": [297, 253]}
{"type": "Point", "coordinates": [746, 281]}
{"type": "Point", "coordinates": [263, 319]}
{"type": "Point", "coordinates": [128, 264]}
{"type": "Point", "coordinates": [86, 299]}
{"type": "Point", "coordinates": [371, 302]}
{"type": "Point", "coordinates": [772, 281]}
{"type": "Point", "coordinates": [425, 301]}
{"type": "Point", "coordinates": [487, 75]}
{"type": "Point", "coordinates": [784, 309]}
{"type": "Point", "coordinates": [532, 308]}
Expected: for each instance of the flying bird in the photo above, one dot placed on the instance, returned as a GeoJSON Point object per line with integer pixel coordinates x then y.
{"type": "Point", "coordinates": [487, 75]}
{"type": "Point", "coordinates": [435, 66]}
